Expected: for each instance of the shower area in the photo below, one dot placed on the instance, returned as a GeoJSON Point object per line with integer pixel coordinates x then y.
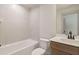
{"type": "Point", "coordinates": [23, 23]}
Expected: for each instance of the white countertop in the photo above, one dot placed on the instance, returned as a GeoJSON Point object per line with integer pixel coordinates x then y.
{"type": "Point", "coordinates": [65, 41]}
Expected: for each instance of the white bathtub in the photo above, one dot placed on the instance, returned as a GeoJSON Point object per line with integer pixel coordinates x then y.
{"type": "Point", "coordinates": [24, 47]}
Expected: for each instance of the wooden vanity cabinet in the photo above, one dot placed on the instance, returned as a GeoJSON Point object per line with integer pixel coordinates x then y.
{"type": "Point", "coordinates": [63, 49]}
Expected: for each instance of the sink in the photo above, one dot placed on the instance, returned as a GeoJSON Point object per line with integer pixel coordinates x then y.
{"type": "Point", "coordinates": [64, 37]}
{"type": "Point", "coordinates": [77, 39]}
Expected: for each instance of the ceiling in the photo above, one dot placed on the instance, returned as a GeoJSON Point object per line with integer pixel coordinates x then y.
{"type": "Point", "coordinates": [58, 6]}
{"type": "Point", "coordinates": [30, 5]}
{"type": "Point", "coordinates": [61, 6]}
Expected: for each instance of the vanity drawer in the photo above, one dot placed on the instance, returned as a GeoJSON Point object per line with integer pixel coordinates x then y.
{"type": "Point", "coordinates": [59, 52]}
{"type": "Point", "coordinates": [64, 47]}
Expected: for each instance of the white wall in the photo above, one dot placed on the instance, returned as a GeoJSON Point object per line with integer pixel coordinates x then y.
{"type": "Point", "coordinates": [35, 23]}
{"type": "Point", "coordinates": [19, 23]}
{"type": "Point", "coordinates": [14, 25]}
{"type": "Point", "coordinates": [43, 21]}
{"type": "Point", "coordinates": [47, 21]}
{"type": "Point", "coordinates": [70, 9]}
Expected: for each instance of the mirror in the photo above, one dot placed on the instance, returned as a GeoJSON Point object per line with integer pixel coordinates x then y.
{"type": "Point", "coordinates": [71, 23]}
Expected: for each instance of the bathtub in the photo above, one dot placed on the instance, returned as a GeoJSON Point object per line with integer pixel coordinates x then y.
{"type": "Point", "coordinates": [24, 47]}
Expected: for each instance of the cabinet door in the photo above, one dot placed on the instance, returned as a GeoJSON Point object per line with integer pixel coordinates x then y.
{"type": "Point", "coordinates": [59, 48]}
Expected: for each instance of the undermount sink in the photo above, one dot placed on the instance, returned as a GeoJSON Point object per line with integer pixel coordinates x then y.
{"type": "Point", "coordinates": [76, 39]}
{"type": "Point", "coordinates": [64, 37]}
{"type": "Point", "coordinates": [69, 39]}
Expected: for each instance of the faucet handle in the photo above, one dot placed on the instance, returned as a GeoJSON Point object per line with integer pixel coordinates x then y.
{"type": "Point", "coordinates": [73, 37]}
{"type": "Point", "coordinates": [0, 45]}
